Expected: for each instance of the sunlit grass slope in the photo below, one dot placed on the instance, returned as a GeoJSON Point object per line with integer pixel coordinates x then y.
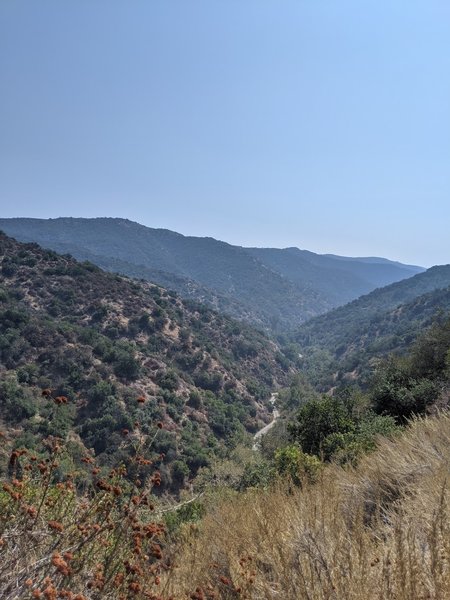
{"type": "Point", "coordinates": [381, 530]}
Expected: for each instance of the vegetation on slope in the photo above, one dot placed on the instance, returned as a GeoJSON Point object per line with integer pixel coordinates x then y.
{"type": "Point", "coordinates": [346, 343]}
{"type": "Point", "coordinates": [345, 426]}
{"type": "Point", "coordinates": [332, 512]}
{"type": "Point", "coordinates": [125, 353]}
{"type": "Point", "coordinates": [274, 289]}
{"type": "Point", "coordinates": [378, 531]}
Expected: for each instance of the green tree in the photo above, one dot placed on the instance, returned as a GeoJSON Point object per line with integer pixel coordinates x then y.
{"type": "Point", "coordinates": [319, 418]}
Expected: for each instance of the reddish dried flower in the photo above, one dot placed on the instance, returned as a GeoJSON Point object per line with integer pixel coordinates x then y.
{"type": "Point", "coordinates": [60, 400]}
{"type": "Point", "coordinates": [56, 526]}
{"type": "Point", "coordinates": [141, 399]}
{"type": "Point", "coordinates": [156, 478]}
{"type": "Point", "coordinates": [135, 569]}
{"type": "Point", "coordinates": [159, 425]}
{"type": "Point", "coordinates": [225, 580]}
{"type": "Point", "coordinates": [156, 551]}
{"type": "Point", "coordinates": [95, 471]}
{"type": "Point", "coordinates": [31, 511]}
{"type": "Point", "coordinates": [125, 432]}
{"type": "Point", "coordinates": [134, 587]}
{"type": "Point", "coordinates": [60, 564]}
{"type": "Point", "coordinates": [50, 592]}
{"type": "Point", "coordinates": [46, 392]}
{"type": "Point", "coordinates": [28, 582]}
{"type": "Point", "coordinates": [117, 490]}
{"type": "Point", "coordinates": [103, 485]}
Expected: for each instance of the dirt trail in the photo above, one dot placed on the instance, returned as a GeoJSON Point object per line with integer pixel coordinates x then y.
{"type": "Point", "coordinates": [275, 414]}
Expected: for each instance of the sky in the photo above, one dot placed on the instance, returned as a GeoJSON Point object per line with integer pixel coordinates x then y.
{"type": "Point", "coordinates": [322, 124]}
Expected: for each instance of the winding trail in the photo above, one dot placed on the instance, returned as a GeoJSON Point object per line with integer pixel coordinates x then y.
{"type": "Point", "coordinates": [275, 414]}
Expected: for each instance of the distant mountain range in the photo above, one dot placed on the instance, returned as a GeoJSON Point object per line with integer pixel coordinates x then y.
{"type": "Point", "coordinates": [346, 343]}
{"type": "Point", "coordinates": [275, 289]}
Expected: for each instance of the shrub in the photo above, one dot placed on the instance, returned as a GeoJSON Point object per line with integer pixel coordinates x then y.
{"type": "Point", "coordinates": [54, 543]}
{"type": "Point", "coordinates": [125, 365]}
{"type": "Point", "coordinates": [298, 466]}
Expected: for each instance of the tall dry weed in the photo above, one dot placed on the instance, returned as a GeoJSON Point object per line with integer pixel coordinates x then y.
{"type": "Point", "coordinates": [378, 531]}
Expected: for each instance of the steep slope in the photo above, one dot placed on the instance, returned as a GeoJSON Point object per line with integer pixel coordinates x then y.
{"type": "Point", "coordinates": [104, 341]}
{"type": "Point", "coordinates": [274, 289]}
{"type": "Point", "coordinates": [346, 341]}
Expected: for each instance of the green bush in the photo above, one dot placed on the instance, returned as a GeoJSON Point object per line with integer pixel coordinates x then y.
{"type": "Point", "coordinates": [125, 365]}
{"type": "Point", "coordinates": [298, 466]}
{"type": "Point", "coordinates": [15, 402]}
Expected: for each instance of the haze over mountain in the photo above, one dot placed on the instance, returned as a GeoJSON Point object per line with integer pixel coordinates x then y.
{"type": "Point", "coordinates": [272, 288]}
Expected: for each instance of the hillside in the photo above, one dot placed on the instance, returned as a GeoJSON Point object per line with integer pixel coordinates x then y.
{"type": "Point", "coordinates": [346, 342]}
{"type": "Point", "coordinates": [379, 531]}
{"type": "Point", "coordinates": [273, 289]}
{"type": "Point", "coordinates": [339, 279]}
{"type": "Point", "coordinates": [356, 506]}
{"type": "Point", "coordinates": [124, 351]}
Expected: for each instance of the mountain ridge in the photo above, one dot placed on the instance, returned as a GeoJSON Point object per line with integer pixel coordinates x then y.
{"type": "Point", "coordinates": [350, 338]}
{"type": "Point", "coordinates": [273, 289]}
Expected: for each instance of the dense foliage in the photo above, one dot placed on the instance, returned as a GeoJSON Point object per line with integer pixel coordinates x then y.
{"type": "Point", "coordinates": [410, 385]}
{"type": "Point", "coordinates": [345, 425]}
{"type": "Point", "coordinates": [125, 354]}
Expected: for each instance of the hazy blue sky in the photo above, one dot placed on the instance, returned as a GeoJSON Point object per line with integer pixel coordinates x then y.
{"type": "Point", "coordinates": [323, 124]}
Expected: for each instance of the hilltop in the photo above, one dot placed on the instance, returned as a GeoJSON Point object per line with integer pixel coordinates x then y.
{"type": "Point", "coordinates": [273, 289]}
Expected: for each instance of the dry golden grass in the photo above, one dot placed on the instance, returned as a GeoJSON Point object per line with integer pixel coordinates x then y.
{"type": "Point", "coordinates": [380, 531]}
